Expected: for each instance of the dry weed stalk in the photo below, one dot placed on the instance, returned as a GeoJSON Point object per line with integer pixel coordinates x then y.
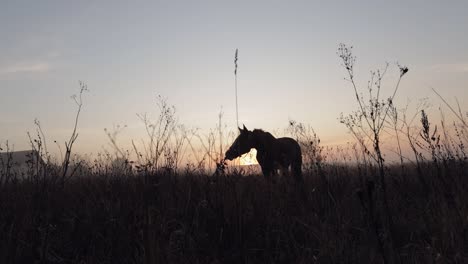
{"type": "Point", "coordinates": [159, 132]}
{"type": "Point", "coordinates": [74, 135]}
{"type": "Point", "coordinates": [367, 124]}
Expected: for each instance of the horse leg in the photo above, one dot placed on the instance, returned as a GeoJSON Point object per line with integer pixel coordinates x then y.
{"type": "Point", "coordinates": [296, 169]}
{"type": "Point", "coordinates": [277, 174]}
{"type": "Point", "coordinates": [284, 172]}
{"type": "Point", "coordinates": [298, 177]}
{"type": "Point", "coordinates": [267, 172]}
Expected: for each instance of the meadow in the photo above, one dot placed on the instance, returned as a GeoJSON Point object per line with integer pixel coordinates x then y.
{"type": "Point", "coordinates": [148, 205]}
{"type": "Point", "coordinates": [155, 217]}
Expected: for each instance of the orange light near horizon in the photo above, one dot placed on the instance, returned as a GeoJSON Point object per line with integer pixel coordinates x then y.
{"type": "Point", "coordinates": [249, 158]}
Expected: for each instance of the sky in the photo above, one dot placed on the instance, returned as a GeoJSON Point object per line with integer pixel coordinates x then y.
{"type": "Point", "coordinates": [128, 52]}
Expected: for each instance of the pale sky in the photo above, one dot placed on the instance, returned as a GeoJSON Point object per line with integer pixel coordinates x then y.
{"type": "Point", "coordinates": [130, 51]}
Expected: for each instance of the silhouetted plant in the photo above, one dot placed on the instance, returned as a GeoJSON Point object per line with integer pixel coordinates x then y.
{"type": "Point", "coordinates": [74, 135]}
{"type": "Point", "coordinates": [367, 124]}
{"type": "Point", "coordinates": [158, 131]}
{"type": "Point", "coordinates": [312, 150]}
{"type": "Point", "coordinates": [6, 164]}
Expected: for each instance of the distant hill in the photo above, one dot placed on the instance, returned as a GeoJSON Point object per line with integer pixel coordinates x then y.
{"type": "Point", "coordinates": [19, 159]}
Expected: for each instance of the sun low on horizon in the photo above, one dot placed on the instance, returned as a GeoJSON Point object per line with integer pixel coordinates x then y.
{"type": "Point", "coordinates": [249, 159]}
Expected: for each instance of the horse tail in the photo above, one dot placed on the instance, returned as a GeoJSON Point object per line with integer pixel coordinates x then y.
{"type": "Point", "coordinates": [297, 171]}
{"type": "Point", "coordinates": [296, 166]}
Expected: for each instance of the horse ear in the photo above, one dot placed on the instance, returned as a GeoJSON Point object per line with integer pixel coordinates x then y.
{"type": "Point", "coordinates": [245, 129]}
{"type": "Point", "coordinates": [240, 129]}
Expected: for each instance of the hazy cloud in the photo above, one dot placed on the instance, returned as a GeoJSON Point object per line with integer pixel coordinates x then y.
{"type": "Point", "coordinates": [451, 67]}
{"type": "Point", "coordinates": [38, 67]}
{"type": "Point", "coordinates": [53, 54]}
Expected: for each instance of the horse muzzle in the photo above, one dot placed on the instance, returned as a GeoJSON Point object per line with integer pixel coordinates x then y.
{"type": "Point", "coordinates": [230, 155]}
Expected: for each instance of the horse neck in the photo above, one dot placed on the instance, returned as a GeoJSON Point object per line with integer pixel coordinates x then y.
{"type": "Point", "coordinates": [262, 140]}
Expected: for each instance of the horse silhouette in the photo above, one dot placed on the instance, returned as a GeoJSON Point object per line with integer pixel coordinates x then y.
{"type": "Point", "coordinates": [272, 153]}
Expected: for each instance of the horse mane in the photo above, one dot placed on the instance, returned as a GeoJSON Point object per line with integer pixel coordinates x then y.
{"type": "Point", "coordinates": [263, 138]}
{"type": "Point", "coordinates": [261, 132]}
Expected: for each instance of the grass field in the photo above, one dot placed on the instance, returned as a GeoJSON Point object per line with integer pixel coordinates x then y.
{"type": "Point", "coordinates": [110, 217]}
{"type": "Point", "coordinates": [144, 206]}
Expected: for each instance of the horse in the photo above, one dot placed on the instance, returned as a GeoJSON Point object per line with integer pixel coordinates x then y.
{"type": "Point", "coordinates": [272, 153]}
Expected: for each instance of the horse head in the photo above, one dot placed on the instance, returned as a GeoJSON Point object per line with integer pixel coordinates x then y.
{"type": "Point", "coordinates": [242, 144]}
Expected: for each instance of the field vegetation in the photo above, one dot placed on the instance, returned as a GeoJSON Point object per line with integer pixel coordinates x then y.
{"type": "Point", "coordinates": [149, 204]}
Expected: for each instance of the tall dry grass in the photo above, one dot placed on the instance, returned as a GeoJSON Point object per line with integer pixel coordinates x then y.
{"type": "Point", "coordinates": [146, 206]}
{"type": "Point", "coordinates": [188, 217]}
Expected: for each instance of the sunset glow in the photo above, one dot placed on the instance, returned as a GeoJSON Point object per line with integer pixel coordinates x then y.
{"type": "Point", "coordinates": [248, 158]}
